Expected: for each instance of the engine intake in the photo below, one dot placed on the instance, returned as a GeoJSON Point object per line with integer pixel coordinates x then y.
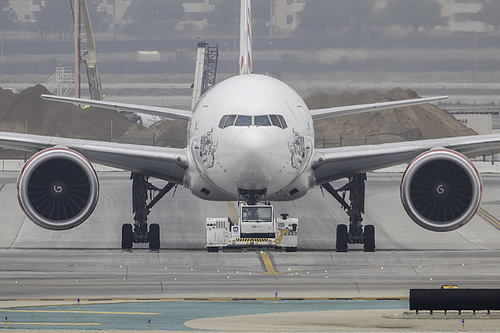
{"type": "Point", "coordinates": [441, 190]}
{"type": "Point", "coordinates": [58, 188]}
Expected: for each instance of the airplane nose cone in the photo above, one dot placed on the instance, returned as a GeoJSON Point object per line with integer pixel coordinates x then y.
{"type": "Point", "coordinates": [253, 148]}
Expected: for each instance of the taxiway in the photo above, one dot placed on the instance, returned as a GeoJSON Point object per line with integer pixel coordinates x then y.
{"type": "Point", "coordinates": [87, 262]}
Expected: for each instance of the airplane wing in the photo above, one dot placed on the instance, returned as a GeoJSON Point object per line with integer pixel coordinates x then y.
{"type": "Point", "coordinates": [159, 162]}
{"type": "Point", "coordinates": [334, 163]}
{"type": "Point", "coordinates": [360, 108]}
{"type": "Point", "coordinates": [151, 110]}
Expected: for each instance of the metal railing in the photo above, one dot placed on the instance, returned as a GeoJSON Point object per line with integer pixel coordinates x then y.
{"type": "Point", "coordinates": [62, 82]}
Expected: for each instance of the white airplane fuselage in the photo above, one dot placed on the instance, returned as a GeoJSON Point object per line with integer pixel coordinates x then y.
{"type": "Point", "coordinates": [250, 132]}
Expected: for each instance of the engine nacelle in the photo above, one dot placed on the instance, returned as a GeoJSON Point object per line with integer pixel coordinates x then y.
{"type": "Point", "coordinates": [58, 188]}
{"type": "Point", "coordinates": [441, 190]}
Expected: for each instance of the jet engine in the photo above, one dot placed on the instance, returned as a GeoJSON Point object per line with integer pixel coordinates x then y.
{"type": "Point", "coordinates": [441, 190]}
{"type": "Point", "coordinates": [58, 188]}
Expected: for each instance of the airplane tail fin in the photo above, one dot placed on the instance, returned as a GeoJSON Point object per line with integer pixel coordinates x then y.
{"type": "Point", "coordinates": [245, 38]}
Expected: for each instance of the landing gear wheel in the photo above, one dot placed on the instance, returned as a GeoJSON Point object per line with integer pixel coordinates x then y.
{"type": "Point", "coordinates": [369, 238]}
{"type": "Point", "coordinates": [212, 249]}
{"type": "Point", "coordinates": [342, 238]}
{"type": "Point", "coordinates": [290, 249]}
{"type": "Point", "coordinates": [154, 236]}
{"type": "Point", "coordinates": [127, 236]}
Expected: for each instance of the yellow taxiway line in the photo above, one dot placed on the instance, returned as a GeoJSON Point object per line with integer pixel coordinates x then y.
{"type": "Point", "coordinates": [268, 264]}
{"type": "Point", "coordinates": [81, 311]}
{"type": "Point", "coordinates": [204, 299]}
{"type": "Point", "coordinates": [489, 218]}
{"type": "Point", "coordinates": [56, 324]}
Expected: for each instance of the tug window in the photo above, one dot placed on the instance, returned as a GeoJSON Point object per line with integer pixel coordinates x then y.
{"type": "Point", "coordinates": [256, 214]}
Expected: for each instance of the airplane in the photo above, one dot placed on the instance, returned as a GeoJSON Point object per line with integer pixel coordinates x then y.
{"type": "Point", "coordinates": [250, 138]}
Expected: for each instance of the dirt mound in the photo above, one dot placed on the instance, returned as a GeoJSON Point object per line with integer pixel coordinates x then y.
{"type": "Point", "coordinates": [6, 97]}
{"type": "Point", "coordinates": [28, 113]}
{"type": "Point", "coordinates": [66, 120]}
{"type": "Point", "coordinates": [411, 123]}
{"type": "Point", "coordinates": [57, 119]}
{"type": "Point", "coordinates": [166, 133]}
{"type": "Point", "coordinates": [399, 124]}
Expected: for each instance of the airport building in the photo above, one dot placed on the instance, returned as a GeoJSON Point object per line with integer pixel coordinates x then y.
{"type": "Point", "coordinates": [26, 11]}
{"type": "Point", "coordinates": [284, 14]}
{"type": "Point", "coordinates": [462, 15]}
{"type": "Point", "coordinates": [283, 17]}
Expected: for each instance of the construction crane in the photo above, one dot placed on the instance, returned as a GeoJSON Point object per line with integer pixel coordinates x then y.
{"type": "Point", "coordinates": [87, 57]}
{"type": "Point", "coordinates": [205, 70]}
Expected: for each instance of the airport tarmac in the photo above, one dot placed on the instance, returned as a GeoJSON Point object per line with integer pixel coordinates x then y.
{"type": "Point", "coordinates": [181, 217]}
{"type": "Point", "coordinates": [44, 267]}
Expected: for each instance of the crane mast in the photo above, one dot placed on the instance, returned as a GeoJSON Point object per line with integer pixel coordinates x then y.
{"type": "Point", "coordinates": [87, 57]}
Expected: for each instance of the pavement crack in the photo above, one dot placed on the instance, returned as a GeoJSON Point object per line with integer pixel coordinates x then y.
{"type": "Point", "coordinates": [331, 257]}
{"type": "Point", "coordinates": [415, 271]}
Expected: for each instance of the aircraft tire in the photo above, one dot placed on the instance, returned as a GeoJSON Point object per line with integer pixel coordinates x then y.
{"type": "Point", "coordinates": [154, 236]}
{"type": "Point", "coordinates": [369, 238]}
{"type": "Point", "coordinates": [127, 236]}
{"type": "Point", "coordinates": [212, 249]}
{"type": "Point", "coordinates": [342, 238]}
{"type": "Point", "coordinates": [290, 249]}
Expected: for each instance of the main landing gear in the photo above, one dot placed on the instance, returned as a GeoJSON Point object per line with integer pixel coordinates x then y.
{"type": "Point", "coordinates": [142, 190]}
{"type": "Point", "coordinates": [356, 234]}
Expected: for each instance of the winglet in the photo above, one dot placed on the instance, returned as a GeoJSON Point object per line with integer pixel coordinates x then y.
{"type": "Point", "coordinates": [245, 38]}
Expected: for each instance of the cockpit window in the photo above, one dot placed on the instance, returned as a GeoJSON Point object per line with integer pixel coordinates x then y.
{"type": "Point", "coordinates": [262, 121]}
{"type": "Point", "coordinates": [223, 121]}
{"type": "Point", "coordinates": [275, 120]}
{"type": "Point", "coordinates": [243, 121]}
{"type": "Point", "coordinates": [230, 120]}
{"type": "Point", "coordinates": [283, 122]}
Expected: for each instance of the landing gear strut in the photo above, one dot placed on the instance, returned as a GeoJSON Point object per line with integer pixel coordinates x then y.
{"type": "Point", "coordinates": [142, 190]}
{"type": "Point", "coordinates": [355, 234]}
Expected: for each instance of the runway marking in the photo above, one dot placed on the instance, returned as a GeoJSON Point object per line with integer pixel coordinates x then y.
{"type": "Point", "coordinates": [268, 264]}
{"type": "Point", "coordinates": [232, 212]}
{"type": "Point", "coordinates": [85, 312]}
{"type": "Point", "coordinates": [489, 218]}
{"type": "Point", "coordinates": [211, 299]}
{"type": "Point", "coordinates": [56, 324]}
